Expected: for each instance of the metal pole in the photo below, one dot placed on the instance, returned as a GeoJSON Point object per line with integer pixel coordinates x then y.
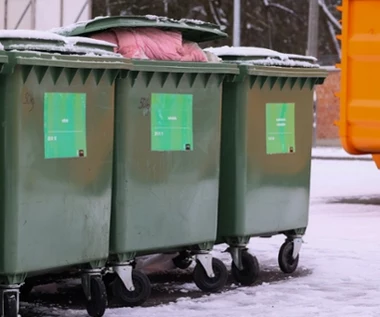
{"type": "Point", "coordinates": [312, 39]}
{"type": "Point", "coordinates": [6, 14]}
{"type": "Point", "coordinates": [33, 2]}
{"type": "Point", "coordinates": [236, 30]}
{"type": "Point", "coordinates": [312, 50]}
{"type": "Point", "coordinates": [61, 13]}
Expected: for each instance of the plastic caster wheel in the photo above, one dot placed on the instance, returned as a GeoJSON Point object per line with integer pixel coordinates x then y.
{"type": "Point", "coordinates": [250, 272]}
{"type": "Point", "coordinates": [133, 298]}
{"type": "Point", "coordinates": [285, 258]}
{"type": "Point", "coordinates": [10, 305]}
{"type": "Point", "coordinates": [213, 284]}
{"type": "Point", "coordinates": [96, 307]}
{"type": "Point", "coordinates": [182, 261]}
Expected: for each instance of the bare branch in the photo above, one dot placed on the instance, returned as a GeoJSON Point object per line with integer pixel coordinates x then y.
{"type": "Point", "coordinates": [329, 15]}
{"type": "Point", "coordinates": [213, 12]}
{"type": "Point", "coordinates": [281, 7]}
{"type": "Point", "coordinates": [268, 4]}
{"type": "Point", "coordinates": [333, 37]}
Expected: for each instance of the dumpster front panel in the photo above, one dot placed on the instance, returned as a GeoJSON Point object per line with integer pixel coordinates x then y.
{"type": "Point", "coordinates": [360, 95]}
{"type": "Point", "coordinates": [265, 157]}
{"type": "Point", "coordinates": [57, 138]}
{"type": "Point", "coordinates": [166, 161]}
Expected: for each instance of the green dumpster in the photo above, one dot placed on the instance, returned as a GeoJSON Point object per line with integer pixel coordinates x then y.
{"type": "Point", "coordinates": [166, 162]}
{"type": "Point", "coordinates": [267, 121]}
{"type": "Point", "coordinates": [57, 114]}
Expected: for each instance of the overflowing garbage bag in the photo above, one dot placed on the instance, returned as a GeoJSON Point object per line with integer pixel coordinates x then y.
{"type": "Point", "coordinates": [150, 37]}
{"type": "Point", "coordinates": [152, 43]}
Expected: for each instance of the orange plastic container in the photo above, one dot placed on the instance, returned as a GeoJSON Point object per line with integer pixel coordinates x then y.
{"type": "Point", "coordinates": [359, 124]}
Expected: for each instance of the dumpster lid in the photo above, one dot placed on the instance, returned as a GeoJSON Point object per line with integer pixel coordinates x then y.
{"type": "Point", "coordinates": [262, 56]}
{"type": "Point", "coordinates": [43, 41]}
{"type": "Point", "coordinates": [192, 30]}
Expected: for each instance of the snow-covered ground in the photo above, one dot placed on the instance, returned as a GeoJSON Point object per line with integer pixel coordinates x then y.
{"type": "Point", "coordinates": [337, 153]}
{"type": "Point", "coordinates": [340, 259]}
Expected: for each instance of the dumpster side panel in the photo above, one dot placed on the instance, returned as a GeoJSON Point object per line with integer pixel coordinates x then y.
{"type": "Point", "coordinates": [233, 158]}
{"type": "Point", "coordinates": [57, 141]}
{"type": "Point", "coordinates": [275, 193]}
{"type": "Point", "coordinates": [360, 95]}
{"type": "Point", "coordinates": [166, 197]}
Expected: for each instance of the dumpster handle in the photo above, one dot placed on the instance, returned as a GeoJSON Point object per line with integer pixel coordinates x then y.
{"type": "Point", "coordinates": [287, 72]}
{"type": "Point", "coordinates": [188, 67]}
{"type": "Point", "coordinates": [109, 63]}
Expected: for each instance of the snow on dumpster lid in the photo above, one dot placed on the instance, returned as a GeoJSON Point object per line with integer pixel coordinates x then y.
{"type": "Point", "coordinates": [30, 34]}
{"type": "Point", "coordinates": [310, 59]}
{"type": "Point", "coordinates": [192, 30]}
{"type": "Point", "coordinates": [84, 45]}
{"type": "Point", "coordinates": [262, 56]}
{"type": "Point", "coordinates": [43, 41]}
{"type": "Point", "coordinates": [269, 61]}
{"type": "Point", "coordinates": [243, 51]}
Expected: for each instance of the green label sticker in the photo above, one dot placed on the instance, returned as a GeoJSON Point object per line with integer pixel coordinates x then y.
{"type": "Point", "coordinates": [65, 125]}
{"type": "Point", "coordinates": [280, 136]}
{"type": "Point", "coordinates": [172, 122]}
